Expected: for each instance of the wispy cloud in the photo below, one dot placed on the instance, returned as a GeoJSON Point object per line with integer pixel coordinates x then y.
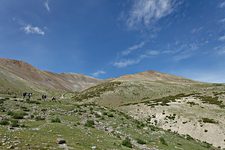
{"type": "Point", "coordinates": [146, 12]}
{"type": "Point", "coordinates": [222, 38]}
{"type": "Point", "coordinates": [180, 52]}
{"type": "Point", "coordinates": [29, 29]}
{"type": "Point", "coordinates": [220, 50]}
{"type": "Point", "coordinates": [196, 30]}
{"type": "Point", "coordinates": [133, 48]}
{"type": "Point", "coordinates": [126, 63]}
{"type": "Point", "coordinates": [46, 4]}
{"type": "Point", "coordinates": [98, 73]}
{"type": "Point", "coordinates": [222, 5]}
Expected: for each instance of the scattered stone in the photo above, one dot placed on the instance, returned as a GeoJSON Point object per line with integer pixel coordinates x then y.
{"type": "Point", "coordinates": [94, 147]}
{"type": "Point", "coordinates": [11, 147]}
{"type": "Point", "coordinates": [60, 141]}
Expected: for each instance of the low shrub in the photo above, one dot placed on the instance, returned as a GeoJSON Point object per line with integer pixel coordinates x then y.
{"type": "Point", "coordinates": [39, 118]}
{"type": "Point", "coordinates": [56, 120]}
{"type": "Point", "coordinates": [163, 141]}
{"type": "Point", "coordinates": [17, 115]}
{"type": "Point", "coordinates": [4, 122]}
{"type": "Point", "coordinates": [15, 123]}
{"type": "Point", "coordinates": [140, 141]}
{"type": "Point", "coordinates": [127, 143]}
{"type": "Point", "coordinates": [207, 120]}
{"type": "Point", "coordinates": [90, 123]}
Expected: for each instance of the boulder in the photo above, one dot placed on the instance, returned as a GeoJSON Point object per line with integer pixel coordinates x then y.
{"type": "Point", "coordinates": [60, 141]}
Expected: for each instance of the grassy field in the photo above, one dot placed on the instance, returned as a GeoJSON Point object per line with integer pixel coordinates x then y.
{"type": "Point", "coordinates": [36, 124]}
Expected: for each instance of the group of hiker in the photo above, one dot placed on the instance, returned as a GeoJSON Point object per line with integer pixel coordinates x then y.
{"type": "Point", "coordinates": [27, 95]}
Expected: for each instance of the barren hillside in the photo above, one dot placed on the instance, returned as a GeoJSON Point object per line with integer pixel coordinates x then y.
{"type": "Point", "coordinates": [19, 75]}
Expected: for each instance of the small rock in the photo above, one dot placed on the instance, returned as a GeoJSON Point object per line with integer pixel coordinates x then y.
{"type": "Point", "coordinates": [61, 141]}
{"type": "Point", "coordinates": [11, 147]}
{"type": "Point", "coordinates": [93, 147]}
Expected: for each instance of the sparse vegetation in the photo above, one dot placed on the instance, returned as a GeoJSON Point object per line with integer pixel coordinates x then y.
{"type": "Point", "coordinates": [126, 142]}
{"type": "Point", "coordinates": [15, 123]}
{"type": "Point", "coordinates": [4, 122]}
{"type": "Point", "coordinates": [38, 118]}
{"type": "Point", "coordinates": [208, 120]}
{"type": "Point", "coordinates": [211, 100]}
{"type": "Point", "coordinates": [56, 120]}
{"type": "Point", "coordinates": [140, 141]}
{"type": "Point", "coordinates": [17, 115]}
{"type": "Point", "coordinates": [96, 91]}
{"type": "Point", "coordinates": [165, 100]}
{"type": "Point", "coordinates": [90, 123]}
{"type": "Point", "coordinates": [163, 141]}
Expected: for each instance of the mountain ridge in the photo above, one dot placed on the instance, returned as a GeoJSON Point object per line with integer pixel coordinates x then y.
{"type": "Point", "coordinates": [26, 73]}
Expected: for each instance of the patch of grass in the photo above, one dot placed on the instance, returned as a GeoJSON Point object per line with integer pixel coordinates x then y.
{"type": "Point", "coordinates": [208, 120]}
{"type": "Point", "coordinates": [24, 108]}
{"type": "Point", "coordinates": [55, 120]}
{"type": "Point", "coordinates": [17, 115]}
{"type": "Point", "coordinates": [127, 143]}
{"type": "Point", "coordinates": [192, 103]}
{"type": "Point", "coordinates": [33, 102]}
{"type": "Point", "coordinates": [110, 115]}
{"type": "Point", "coordinates": [14, 123]}
{"type": "Point", "coordinates": [105, 113]}
{"type": "Point", "coordinates": [211, 100]}
{"type": "Point", "coordinates": [90, 123]}
{"type": "Point", "coordinates": [39, 118]}
{"type": "Point", "coordinates": [163, 141]}
{"type": "Point", "coordinates": [171, 117]}
{"type": "Point", "coordinates": [4, 122]}
{"type": "Point", "coordinates": [2, 100]}
{"type": "Point", "coordinates": [140, 141]}
{"type": "Point", "coordinates": [96, 91]}
{"type": "Point", "coordinates": [165, 100]}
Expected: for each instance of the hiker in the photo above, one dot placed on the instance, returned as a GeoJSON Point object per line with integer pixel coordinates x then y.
{"type": "Point", "coordinates": [53, 98]}
{"type": "Point", "coordinates": [44, 97]}
{"type": "Point", "coordinates": [24, 94]}
{"type": "Point", "coordinates": [29, 95]}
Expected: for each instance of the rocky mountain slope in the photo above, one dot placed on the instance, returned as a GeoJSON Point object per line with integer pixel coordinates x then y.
{"type": "Point", "coordinates": [17, 76]}
{"type": "Point", "coordinates": [173, 103]}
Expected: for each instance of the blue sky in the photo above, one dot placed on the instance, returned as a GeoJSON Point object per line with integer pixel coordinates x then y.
{"type": "Point", "coordinates": [109, 38]}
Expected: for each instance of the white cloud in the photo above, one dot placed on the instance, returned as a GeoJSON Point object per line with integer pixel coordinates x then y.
{"type": "Point", "coordinates": [29, 29]}
{"type": "Point", "coordinates": [222, 5]}
{"type": "Point", "coordinates": [133, 48]}
{"type": "Point", "coordinates": [126, 63]}
{"type": "Point", "coordinates": [146, 12]}
{"type": "Point", "coordinates": [182, 56]}
{"type": "Point", "coordinates": [46, 4]}
{"type": "Point", "coordinates": [152, 53]}
{"type": "Point", "coordinates": [222, 38]}
{"type": "Point", "coordinates": [98, 73]}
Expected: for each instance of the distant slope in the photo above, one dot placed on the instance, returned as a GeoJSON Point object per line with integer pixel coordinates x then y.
{"type": "Point", "coordinates": [137, 87]}
{"type": "Point", "coordinates": [17, 75]}
{"type": "Point", "coordinates": [154, 77]}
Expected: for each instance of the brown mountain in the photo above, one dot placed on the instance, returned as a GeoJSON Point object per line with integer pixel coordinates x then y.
{"type": "Point", "coordinates": [154, 76]}
{"type": "Point", "coordinates": [19, 75]}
